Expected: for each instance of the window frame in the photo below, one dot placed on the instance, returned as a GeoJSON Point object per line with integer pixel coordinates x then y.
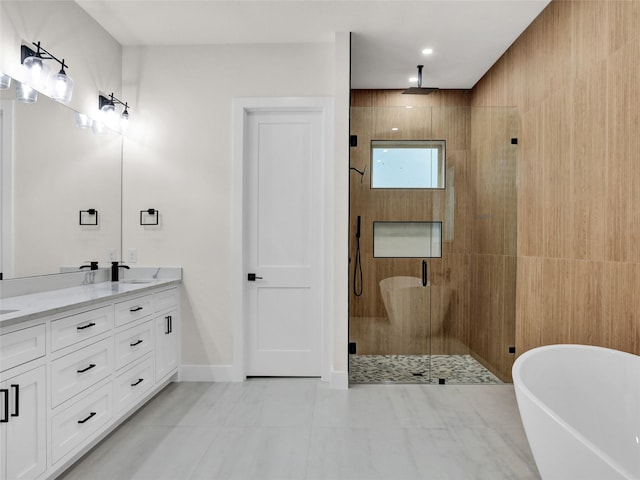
{"type": "Point", "coordinates": [440, 145]}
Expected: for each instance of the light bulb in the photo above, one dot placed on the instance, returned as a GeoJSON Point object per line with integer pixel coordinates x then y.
{"type": "Point", "coordinates": [82, 120]}
{"type": "Point", "coordinates": [61, 87]}
{"type": "Point", "coordinates": [25, 94]}
{"type": "Point", "coordinates": [5, 81]}
{"type": "Point", "coordinates": [37, 72]}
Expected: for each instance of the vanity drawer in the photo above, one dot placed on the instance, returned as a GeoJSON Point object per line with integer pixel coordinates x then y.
{"type": "Point", "coordinates": [166, 299]}
{"type": "Point", "coordinates": [79, 370]}
{"type": "Point", "coordinates": [75, 425]}
{"type": "Point", "coordinates": [133, 309]}
{"type": "Point", "coordinates": [133, 384]}
{"type": "Point", "coordinates": [69, 330]}
{"type": "Point", "coordinates": [22, 346]}
{"type": "Point", "coordinates": [133, 343]}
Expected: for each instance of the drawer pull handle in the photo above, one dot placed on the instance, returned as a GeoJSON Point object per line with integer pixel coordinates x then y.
{"type": "Point", "coordinates": [88, 325]}
{"type": "Point", "coordinates": [169, 325]}
{"type": "Point", "coordinates": [91, 415]}
{"type": "Point", "coordinates": [135, 309]}
{"type": "Point", "coordinates": [91, 365]}
{"type": "Point", "coordinates": [135, 343]}
{"type": "Point", "coordinates": [16, 413]}
{"type": "Point", "coordinates": [5, 392]}
{"type": "Point", "coordinates": [138, 382]}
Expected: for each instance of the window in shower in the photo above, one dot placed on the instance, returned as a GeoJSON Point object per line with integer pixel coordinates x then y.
{"type": "Point", "coordinates": [408, 164]}
{"type": "Point", "coordinates": [407, 239]}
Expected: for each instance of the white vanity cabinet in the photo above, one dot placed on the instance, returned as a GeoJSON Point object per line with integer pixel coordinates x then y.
{"type": "Point", "coordinates": [67, 379]}
{"type": "Point", "coordinates": [23, 403]}
{"type": "Point", "coordinates": [166, 321]}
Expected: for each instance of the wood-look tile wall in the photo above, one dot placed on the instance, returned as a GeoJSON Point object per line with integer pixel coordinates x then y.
{"type": "Point", "coordinates": [477, 269]}
{"type": "Point", "coordinates": [574, 76]}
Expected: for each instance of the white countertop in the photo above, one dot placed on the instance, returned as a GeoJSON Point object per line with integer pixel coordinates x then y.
{"type": "Point", "coordinates": [53, 301]}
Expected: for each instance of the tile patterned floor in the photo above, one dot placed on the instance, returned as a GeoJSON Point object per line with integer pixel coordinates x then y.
{"type": "Point", "coordinates": [429, 369]}
{"type": "Point", "coordinates": [300, 429]}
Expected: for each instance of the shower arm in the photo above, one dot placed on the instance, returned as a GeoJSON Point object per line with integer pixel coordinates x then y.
{"type": "Point", "coordinates": [361, 172]}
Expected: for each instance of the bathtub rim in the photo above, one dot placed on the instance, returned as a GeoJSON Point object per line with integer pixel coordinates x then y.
{"type": "Point", "coordinates": [519, 385]}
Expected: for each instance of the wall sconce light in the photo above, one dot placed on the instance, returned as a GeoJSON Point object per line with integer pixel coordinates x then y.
{"type": "Point", "coordinates": [92, 212]}
{"type": "Point", "coordinates": [107, 106]}
{"type": "Point", "coordinates": [25, 94]}
{"type": "Point", "coordinates": [38, 73]}
{"type": "Point", "coordinates": [150, 212]}
{"type": "Point", "coordinates": [5, 81]}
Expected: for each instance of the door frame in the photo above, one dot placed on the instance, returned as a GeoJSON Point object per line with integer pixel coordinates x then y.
{"type": "Point", "coordinates": [243, 106]}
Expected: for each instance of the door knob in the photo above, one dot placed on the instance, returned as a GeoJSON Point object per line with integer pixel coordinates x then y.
{"type": "Point", "coordinates": [252, 277]}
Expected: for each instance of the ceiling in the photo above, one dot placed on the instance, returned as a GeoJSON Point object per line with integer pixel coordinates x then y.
{"type": "Point", "coordinates": [467, 36]}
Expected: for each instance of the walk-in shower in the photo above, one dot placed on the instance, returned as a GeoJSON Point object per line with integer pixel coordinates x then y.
{"type": "Point", "coordinates": [432, 239]}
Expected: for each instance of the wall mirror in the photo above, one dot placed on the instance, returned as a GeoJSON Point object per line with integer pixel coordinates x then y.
{"type": "Point", "coordinates": [52, 170]}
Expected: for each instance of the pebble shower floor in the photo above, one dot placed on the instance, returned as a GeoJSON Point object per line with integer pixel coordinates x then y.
{"type": "Point", "coordinates": [454, 369]}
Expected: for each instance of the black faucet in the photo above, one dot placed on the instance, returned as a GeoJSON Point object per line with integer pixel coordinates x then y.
{"type": "Point", "coordinates": [115, 270]}
{"type": "Point", "coordinates": [93, 266]}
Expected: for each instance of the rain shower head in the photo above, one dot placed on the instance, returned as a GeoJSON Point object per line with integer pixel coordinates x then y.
{"type": "Point", "coordinates": [419, 90]}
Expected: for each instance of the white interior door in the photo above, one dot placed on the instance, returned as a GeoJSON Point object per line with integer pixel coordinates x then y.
{"type": "Point", "coordinates": [284, 201]}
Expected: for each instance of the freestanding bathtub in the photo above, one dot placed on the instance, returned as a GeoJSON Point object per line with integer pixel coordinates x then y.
{"type": "Point", "coordinates": [580, 407]}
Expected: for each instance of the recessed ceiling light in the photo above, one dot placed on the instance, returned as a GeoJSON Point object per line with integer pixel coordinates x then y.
{"type": "Point", "coordinates": [427, 51]}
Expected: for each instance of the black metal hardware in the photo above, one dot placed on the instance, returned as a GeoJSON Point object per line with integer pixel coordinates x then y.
{"type": "Point", "coordinates": [442, 381]}
{"type": "Point", "coordinates": [170, 323]}
{"type": "Point", "coordinates": [353, 141]}
{"type": "Point", "coordinates": [111, 100]}
{"type": "Point", "coordinates": [357, 268]}
{"type": "Point", "coordinates": [360, 172]}
{"type": "Point", "coordinates": [28, 52]}
{"type": "Point", "coordinates": [16, 407]}
{"type": "Point", "coordinates": [352, 348]}
{"type": "Point", "coordinates": [512, 349]}
{"type": "Point", "coordinates": [135, 343]}
{"type": "Point", "coordinates": [514, 141]}
{"type": "Point", "coordinates": [91, 415]}
{"type": "Point", "coordinates": [91, 365]}
{"type": "Point", "coordinates": [252, 277]}
{"type": "Point", "coordinates": [91, 211]}
{"type": "Point", "coordinates": [5, 392]}
{"type": "Point", "coordinates": [135, 309]}
{"type": "Point", "coordinates": [169, 326]}
{"type": "Point", "coordinates": [150, 212]}
{"type": "Point", "coordinates": [115, 270]}
{"type": "Point", "coordinates": [92, 265]}
{"type": "Point", "coordinates": [88, 325]}
{"type": "Point", "coordinates": [424, 273]}
{"type": "Point", "coordinates": [138, 382]}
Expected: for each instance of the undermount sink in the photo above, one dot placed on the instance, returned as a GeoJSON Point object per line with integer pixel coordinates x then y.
{"type": "Point", "coordinates": [3, 312]}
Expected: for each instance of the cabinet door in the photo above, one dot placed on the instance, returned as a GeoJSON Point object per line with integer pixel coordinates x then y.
{"type": "Point", "coordinates": [25, 440]}
{"type": "Point", "coordinates": [166, 344]}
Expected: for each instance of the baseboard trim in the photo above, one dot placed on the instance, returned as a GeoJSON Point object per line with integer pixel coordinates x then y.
{"type": "Point", "coordinates": [339, 380]}
{"type": "Point", "coordinates": [206, 373]}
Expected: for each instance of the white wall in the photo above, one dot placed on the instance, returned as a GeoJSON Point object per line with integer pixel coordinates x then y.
{"type": "Point", "coordinates": [178, 160]}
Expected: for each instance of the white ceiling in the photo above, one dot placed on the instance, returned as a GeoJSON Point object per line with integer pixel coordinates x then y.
{"type": "Point", "coordinates": [467, 36]}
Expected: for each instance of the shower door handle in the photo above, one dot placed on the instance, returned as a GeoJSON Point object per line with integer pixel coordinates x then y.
{"type": "Point", "coordinates": [424, 273]}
